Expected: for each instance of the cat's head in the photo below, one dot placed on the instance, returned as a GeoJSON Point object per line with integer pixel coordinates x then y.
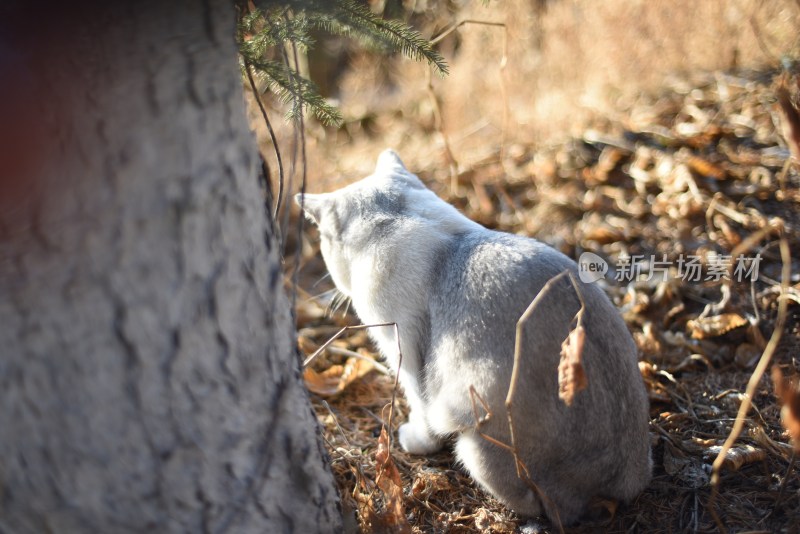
{"type": "Point", "coordinates": [364, 216]}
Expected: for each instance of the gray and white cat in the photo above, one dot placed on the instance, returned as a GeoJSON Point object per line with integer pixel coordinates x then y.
{"type": "Point", "coordinates": [456, 291]}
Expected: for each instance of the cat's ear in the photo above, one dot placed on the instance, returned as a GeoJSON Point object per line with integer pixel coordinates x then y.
{"type": "Point", "coordinates": [312, 204]}
{"type": "Point", "coordinates": [389, 162]}
{"type": "Point", "coordinates": [391, 166]}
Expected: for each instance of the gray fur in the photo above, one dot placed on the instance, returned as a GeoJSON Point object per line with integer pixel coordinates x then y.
{"type": "Point", "coordinates": [456, 291]}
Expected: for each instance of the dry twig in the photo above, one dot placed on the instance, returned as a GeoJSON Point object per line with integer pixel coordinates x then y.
{"type": "Point", "coordinates": [437, 110]}
{"type": "Point", "coordinates": [755, 378]}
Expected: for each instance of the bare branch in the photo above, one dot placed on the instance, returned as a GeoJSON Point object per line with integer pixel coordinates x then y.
{"type": "Point", "coordinates": [758, 373]}
{"type": "Point", "coordinates": [257, 96]}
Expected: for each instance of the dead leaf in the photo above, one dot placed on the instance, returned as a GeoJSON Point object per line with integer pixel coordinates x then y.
{"type": "Point", "coordinates": [488, 521]}
{"type": "Point", "coordinates": [737, 456]}
{"type": "Point", "coordinates": [603, 235]}
{"type": "Point", "coordinates": [571, 375]}
{"type": "Point", "coordinates": [309, 311]}
{"type": "Point", "coordinates": [656, 391]}
{"type": "Point", "coordinates": [647, 369]}
{"type": "Point", "coordinates": [635, 302]}
{"type": "Point", "coordinates": [647, 340]}
{"type": "Point", "coordinates": [387, 477]}
{"type": "Point", "coordinates": [715, 326]}
{"type": "Point", "coordinates": [610, 158]}
{"type": "Point", "coordinates": [706, 168]}
{"type": "Point", "coordinates": [484, 200]}
{"type": "Point", "coordinates": [336, 378]}
{"type": "Point", "coordinates": [429, 482]}
{"type": "Point", "coordinates": [788, 392]}
{"type": "Point", "coordinates": [705, 138]}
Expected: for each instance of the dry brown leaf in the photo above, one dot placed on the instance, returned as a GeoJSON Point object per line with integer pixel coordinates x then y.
{"type": "Point", "coordinates": [387, 477]}
{"type": "Point", "coordinates": [705, 138]}
{"type": "Point", "coordinates": [636, 302]}
{"type": "Point", "coordinates": [788, 392]}
{"type": "Point", "coordinates": [603, 235]}
{"type": "Point", "coordinates": [336, 378]}
{"type": "Point", "coordinates": [648, 341]}
{"type": "Point", "coordinates": [488, 521]}
{"type": "Point", "coordinates": [738, 456]}
{"type": "Point", "coordinates": [706, 168]}
{"type": "Point", "coordinates": [648, 370]}
{"type": "Point", "coordinates": [427, 483]}
{"type": "Point", "coordinates": [571, 376]}
{"type": "Point", "coordinates": [709, 442]}
{"type": "Point", "coordinates": [655, 389]}
{"type": "Point", "coordinates": [610, 158]}
{"type": "Point", "coordinates": [715, 326]}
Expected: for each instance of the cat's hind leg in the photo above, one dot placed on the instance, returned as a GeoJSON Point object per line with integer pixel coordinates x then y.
{"type": "Point", "coordinates": [493, 468]}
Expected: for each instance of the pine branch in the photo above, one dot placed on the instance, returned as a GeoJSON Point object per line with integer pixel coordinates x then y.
{"type": "Point", "coordinates": [351, 19]}
{"type": "Point", "coordinates": [262, 32]}
{"type": "Point", "coordinates": [291, 88]}
{"type": "Point", "coordinates": [259, 31]}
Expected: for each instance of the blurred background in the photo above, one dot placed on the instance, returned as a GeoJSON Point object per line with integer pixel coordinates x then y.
{"type": "Point", "coordinates": [553, 69]}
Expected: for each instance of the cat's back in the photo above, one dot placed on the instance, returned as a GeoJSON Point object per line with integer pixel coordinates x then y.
{"type": "Point", "coordinates": [485, 276]}
{"type": "Point", "coordinates": [485, 280]}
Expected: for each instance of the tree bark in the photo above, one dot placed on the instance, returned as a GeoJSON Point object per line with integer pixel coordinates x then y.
{"type": "Point", "coordinates": [148, 377]}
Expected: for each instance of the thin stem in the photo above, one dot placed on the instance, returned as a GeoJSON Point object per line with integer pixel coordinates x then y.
{"type": "Point", "coordinates": [272, 136]}
{"type": "Point", "coordinates": [460, 23]}
{"type": "Point", "coordinates": [300, 226]}
{"type": "Point", "coordinates": [755, 378]}
{"type": "Point", "coordinates": [296, 96]}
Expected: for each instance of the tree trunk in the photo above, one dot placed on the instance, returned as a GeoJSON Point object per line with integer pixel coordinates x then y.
{"type": "Point", "coordinates": [148, 378]}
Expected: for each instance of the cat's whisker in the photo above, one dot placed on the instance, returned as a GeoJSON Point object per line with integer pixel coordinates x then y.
{"type": "Point", "coordinates": [339, 300]}
{"type": "Point", "coordinates": [323, 299]}
{"type": "Point", "coordinates": [336, 300]}
{"type": "Point", "coordinates": [320, 280]}
{"type": "Point", "coordinates": [328, 294]}
{"type": "Point", "coordinates": [347, 309]}
{"type": "Point", "coordinates": [330, 308]}
{"type": "Point", "coordinates": [332, 300]}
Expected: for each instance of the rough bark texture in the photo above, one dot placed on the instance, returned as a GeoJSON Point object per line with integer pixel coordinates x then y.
{"type": "Point", "coordinates": [148, 379]}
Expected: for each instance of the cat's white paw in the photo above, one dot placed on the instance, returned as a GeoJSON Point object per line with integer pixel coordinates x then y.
{"type": "Point", "coordinates": [416, 439]}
